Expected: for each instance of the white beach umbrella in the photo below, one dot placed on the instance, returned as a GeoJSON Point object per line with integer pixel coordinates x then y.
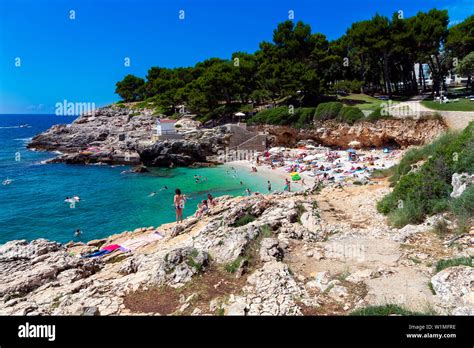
{"type": "Point", "coordinates": [276, 149]}
{"type": "Point", "coordinates": [310, 158]}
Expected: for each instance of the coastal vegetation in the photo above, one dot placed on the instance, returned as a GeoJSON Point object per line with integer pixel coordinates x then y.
{"type": "Point", "coordinates": [302, 69]}
{"type": "Point", "coordinates": [304, 117]}
{"type": "Point", "coordinates": [385, 310]}
{"type": "Point", "coordinates": [460, 261]}
{"type": "Point", "coordinates": [422, 181]}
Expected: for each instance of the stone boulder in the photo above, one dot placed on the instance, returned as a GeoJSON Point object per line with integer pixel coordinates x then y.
{"type": "Point", "coordinates": [271, 249]}
{"type": "Point", "coordinates": [460, 183]}
{"type": "Point", "coordinates": [180, 265]}
{"type": "Point", "coordinates": [454, 286]}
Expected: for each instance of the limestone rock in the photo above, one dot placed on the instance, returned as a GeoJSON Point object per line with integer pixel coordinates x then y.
{"type": "Point", "coordinates": [454, 286]}
{"type": "Point", "coordinates": [271, 249]}
{"type": "Point", "coordinates": [460, 182]}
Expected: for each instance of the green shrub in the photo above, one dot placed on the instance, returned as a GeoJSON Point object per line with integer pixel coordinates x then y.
{"type": "Point", "coordinates": [300, 117]}
{"type": "Point", "coordinates": [233, 266]}
{"type": "Point", "coordinates": [460, 261]}
{"type": "Point", "coordinates": [350, 114]}
{"type": "Point", "coordinates": [244, 220]}
{"type": "Point", "coordinates": [276, 116]}
{"type": "Point", "coordinates": [389, 309]}
{"type": "Point", "coordinates": [427, 190]}
{"type": "Point", "coordinates": [305, 117]}
{"type": "Point", "coordinates": [383, 173]}
{"type": "Point", "coordinates": [463, 208]}
{"type": "Point", "coordinates": [353, 86]}
{"type": "Point", "coordinates": [377, 115]}
{"type": "Point", "coordinates": [328, 111]}
{"type": "Point", "coordinates": [266, 231]}
{"type": "Point", "coordinates": [409, 213]}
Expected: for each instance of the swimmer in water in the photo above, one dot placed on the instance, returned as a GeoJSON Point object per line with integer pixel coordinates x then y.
{"type": "Point", "coordinates": [77, 233]}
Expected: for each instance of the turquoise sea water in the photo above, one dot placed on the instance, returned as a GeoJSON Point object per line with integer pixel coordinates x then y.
{"type": "Point", "coordinates": [33, 206]}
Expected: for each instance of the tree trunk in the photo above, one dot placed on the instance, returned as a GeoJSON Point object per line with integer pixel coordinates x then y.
{"type": "Point", "coordinates": [386, 75]}
{"type": "Point", "coordinates": [422, 77]}
{"type": "Point", "coordinates": [414, 86]}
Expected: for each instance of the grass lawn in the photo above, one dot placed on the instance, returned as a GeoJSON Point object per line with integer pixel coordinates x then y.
{"type": "Point", "coordinates": [362, 101]}
{"type": "Point", "coordinates": [461, 105]}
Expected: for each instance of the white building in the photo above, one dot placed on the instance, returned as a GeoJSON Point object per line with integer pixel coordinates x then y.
{"type": "Point", "coordinates": [165, 127]}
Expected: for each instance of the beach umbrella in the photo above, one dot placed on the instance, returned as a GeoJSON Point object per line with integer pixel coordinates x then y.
{"type": "Point", "coordinates": [351, 151]}
{"type": "Point", "coordinates": [310, 158]}
{"type": "Point", "coordinates": [239, 114]}
{"type": "Point", "coordinates": [276, 149]}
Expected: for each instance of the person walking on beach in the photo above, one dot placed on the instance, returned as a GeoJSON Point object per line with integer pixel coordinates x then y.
{"type": "Point", "coordinates": [269, 185]}
{"type": "Point", "coordinates": [287, 185]}
{"type": "Point", "coordinates": [179, 201]}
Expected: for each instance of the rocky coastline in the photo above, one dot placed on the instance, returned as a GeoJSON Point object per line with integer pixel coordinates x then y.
{"type": "Point", "coordinates": [396, 132]}
{"type": "Point", "coordinates": [115, 135]}
{"type": "Point", "coordinates": [123, 135]}
{"type": "Point", "coordinates": [308, 253]}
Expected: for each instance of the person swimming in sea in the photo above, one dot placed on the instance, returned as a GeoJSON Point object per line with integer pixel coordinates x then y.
{"type": "Point", "coordinates": [269, 186]}
{"type": "Point", "coordinates": [249, 193]}
{"type": "Point", "coordinates": [77, 233]}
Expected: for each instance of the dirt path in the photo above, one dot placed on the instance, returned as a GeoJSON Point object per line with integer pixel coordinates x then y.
{"type": "Point", "coordinates": [362, 250]}
{"type": "Point", "coordinates": [456, 120]}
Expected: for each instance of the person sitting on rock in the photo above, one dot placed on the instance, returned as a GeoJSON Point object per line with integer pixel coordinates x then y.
{"type": "Point", "coordinates": [211, 200]}
{"type": "Point", "coordinates": [202, 208]}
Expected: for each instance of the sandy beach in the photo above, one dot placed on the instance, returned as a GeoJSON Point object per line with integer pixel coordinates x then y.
{"type": "Point", "coordinates": [321, 164]}
{"type": "Point", "coordinates": [277, 175]}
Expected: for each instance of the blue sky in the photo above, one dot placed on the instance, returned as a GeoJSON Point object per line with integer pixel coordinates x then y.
{"type": "Point", "coordinates": [80, 60]}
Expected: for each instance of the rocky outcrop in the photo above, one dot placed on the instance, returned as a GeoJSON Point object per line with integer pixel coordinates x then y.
{"type": "Point", "coordinates": [44, 277]}
{"type": "Point", "coordinates": [123, 135]}
{"type": "Point", "coordinates": [398, 132]}
{"type": "Point", "coordinates": [278, 254]}
{"type": "Point", "coordinates": [272, 290]}
{"type": "Point", "coordinates": [460, 182]}
{"type": "Point", "coordinates": [196, 146]}
{"type": "Point", "coordinates": [454, 286]}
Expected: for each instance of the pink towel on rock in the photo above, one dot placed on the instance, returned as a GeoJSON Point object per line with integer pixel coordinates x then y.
{"type": "Point", "coordinates": [111, 248]}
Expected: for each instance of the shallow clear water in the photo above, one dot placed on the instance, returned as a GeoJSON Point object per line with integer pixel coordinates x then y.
{"type": "Point", "coordinates": [33, 206]}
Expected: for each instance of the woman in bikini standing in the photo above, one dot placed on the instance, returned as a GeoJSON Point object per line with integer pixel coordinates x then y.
{"type": "Point", "coordinates": [179, 200]}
